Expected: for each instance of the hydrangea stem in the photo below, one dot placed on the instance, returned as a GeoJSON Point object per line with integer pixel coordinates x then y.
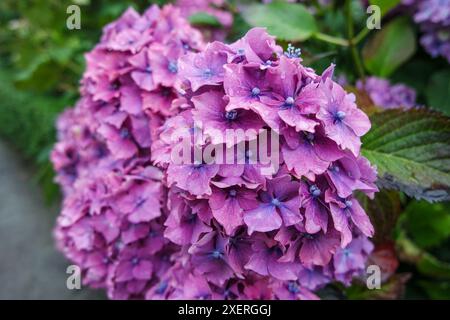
{"type": "Point", "coordinates": [331, 39]}
{"type": "Point", "coordinates": [352, 44]}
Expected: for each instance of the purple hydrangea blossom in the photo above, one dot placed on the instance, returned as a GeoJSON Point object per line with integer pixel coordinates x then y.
{"type": "Point", "coordinates": [143, 226]}
{"type": "Point", "coordinates": [388, 96]}
{"type": "Point", "coordinates": [433, 17]}
{"type": "Point", "coordinates": [281, 227]}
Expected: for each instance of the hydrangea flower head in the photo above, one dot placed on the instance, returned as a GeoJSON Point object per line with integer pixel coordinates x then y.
{"type": "Point", "coordinates": [276, 220]}
{"type": "Point", "coordinates": [433, 17]}
{"type": "Point", "coordinates": [278, 230]}
{"type": "Point", "coordinates": [386, 95]}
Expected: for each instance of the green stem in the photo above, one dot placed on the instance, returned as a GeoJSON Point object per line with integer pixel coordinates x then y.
{"type": "Point", "coordinates": [351, 33]}
{"type": "Point", "coordinates": [331, 39]}
{"type": "Point", "coordinates": [361, 35]}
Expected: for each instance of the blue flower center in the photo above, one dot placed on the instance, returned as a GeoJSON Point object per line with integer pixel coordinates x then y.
{"type": "Point", "coordinates": [276, 202]}
{"type": "Point", "coordinates": [232, 193]}
{"type": "Point", "coordinates": [268, 63]}
{"type": "Point", "coordinates": [140, 202]}
{"type": "Point", "coordinates": [207, 73]}
{"type": "Point", "coordinates": [161, 287]}
{"type": "Point", "coordinates": [124, 133]}
{"type": "Point", "coordinates": [231, 115]}
{"type": "Point", "coordinates": [292, 52]}
{"type": "Point", "coordinates": [339, 116]}
{"type": "Point", "coordinates": [198, 165]}
{"type": "Point", "coordinates": [216, 254]}
{"type": "Point", "coordinates": [293, 287]}
{"type": "Point", "coordinates": [309, 136]}
{"type": "Point", "coordinates": [256, 92]}
{"type": "Point", "coordinates": [115, 85]}
{"type": "Point", "coordinates": [346, 252]}
{"type": "Point", "coordinates": [308, 236]}
{"type": "Point", "coordinates": [135, 261]}
{"type": "Point", "coordinates": [314, 190]}
{"type": "Point", "coordinates": [191, 219]}
{"type": "Point", "coordinates": [148, 69]}
{"type": "Point", "coordinates": [173, 68]}
{"type": "Point", "coordinates": [348, 204]}
{"type": "Point", "coordinates": [335, 168]}
{"type": "Point", "coordinates": [289, 101]}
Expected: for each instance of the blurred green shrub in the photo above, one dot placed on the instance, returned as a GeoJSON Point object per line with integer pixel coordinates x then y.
{"type": "Point", "coordinates": [28, 124]}
{"type": "Point", "coordinates": [45, 55]}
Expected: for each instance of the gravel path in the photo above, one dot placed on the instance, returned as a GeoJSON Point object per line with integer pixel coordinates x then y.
{"type": "Point", "coordinates": [30, 267]}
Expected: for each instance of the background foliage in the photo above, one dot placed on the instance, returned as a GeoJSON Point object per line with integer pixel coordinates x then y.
{"type": "Point", "coordinates": [41, 62]}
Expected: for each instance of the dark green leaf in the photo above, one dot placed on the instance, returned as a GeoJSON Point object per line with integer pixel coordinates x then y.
{"type": "Point", "coordinates": [390, 48]}
{"type": "Point", "coordinates": [286, 21]}
{"type": "Point", "coordinates": [385, 5]}
{"type": "Point", "coordinates": [438, 91]}
{"type": "Point", "coordinates": [439, 290]}
{"type": "Point", "coordinates": [428, 225]}
{"type": "Point", "coordinates": [425, 263]}
{"type": "Point", "coordinates": [204, 19]}
{"type": "Point", "coordinates": [411, 150]}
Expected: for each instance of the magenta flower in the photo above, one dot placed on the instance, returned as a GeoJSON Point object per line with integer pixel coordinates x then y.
{"type": "Point", "coordinates": [194, 178]}
{"type": "Point", "coordinates": [290, 103]}
{"type": "Point", "coordinates": [265, 261]}
{"type": "Point", "coordinates": [258, 48]}
{"type": "Point", "coordinates": [343, 121]}
{"type": "Point", "coordinates": [352, 257]}
{"type": "Point", "coordinates": [164, 62]}
{"type": "Point", "coordinates": [142, 73]}
{"type": "Point", "coordinates": [245, 86]}
{"type": "Point", "coordinates": [210, 258]}
{"type": "Point", "coordinates": [316, 210]}
{"type": "Point", "coordinates": [134, 264]}
{"type": "Point", "coordinates": [345, 210]}
{"type": "Point", "coordinates": [309, 154]}
{"type": "Point", "coordinates": [318, 249]}
{"type": "Point", "coordinates": [292, 290]}
{"type": "Point", "coordinates": [205, 68]}
{"type": "Point", "coordinates": [211, 112]}
{"type": "Point", "coordinates": [141, 202]}
{"type": "Point", "coordinates": [228, 206]}
{"type": "Point", "coordinates": [183, 225]}
{"type": "Point", "coordinates": [313, 278]}
{"type": "Point", "coordinates": [280, 204]}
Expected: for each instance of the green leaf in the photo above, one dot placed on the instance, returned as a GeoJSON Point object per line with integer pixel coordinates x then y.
{"type": "Point", "coordinates": [438, 290]}
{"type": "Point", "coordinates": [204, 19]}
{"type": "Point", "coordinates": [428, 225]}
{"type": "Point", "coordinates": [438, 91]}
{"type": "Point", "coordinates": [286, 21]}
{"type": "Point", "coordinates": [425, 263]}
{"type": "Point", "coordinates": [390, 48]}
{"type": "Point", "coordinates": [411, 150]}
{"type": "Point", "coordinates": [385, 5]}
{"type": "Point", "coordinates": [383, 211]}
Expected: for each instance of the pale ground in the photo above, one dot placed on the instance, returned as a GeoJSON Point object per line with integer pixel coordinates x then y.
{"type": "Point", "coordinates": [30, 267]}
